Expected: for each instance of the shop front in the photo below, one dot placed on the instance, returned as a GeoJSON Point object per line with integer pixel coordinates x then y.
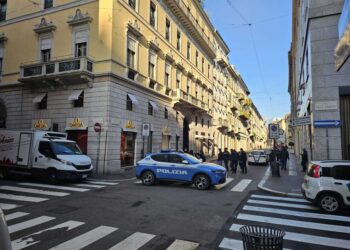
{"type": "Point", "coordinates": [41, 124]}
{"type": "Point", "coordinates": [127, 144]}
{"type": "Point", "coordinates": [166, 136]}
{"type": "Point", "coordinates": [77, 130]}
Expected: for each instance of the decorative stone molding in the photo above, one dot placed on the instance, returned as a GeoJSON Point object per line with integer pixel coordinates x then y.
{"type": "Point", "coordinates": [44, 26]}
{"type": "Point", "coordinates": [180, 65]}
{"type": "Point", "coordinates": [79, 18]}
{"type": "Point", "coordinates": [3, 38]}
{"type": "Point", "coordinates": [153, 43]}
{"type": "Point", "coordinates": [134, 28]}
{"type": "Point", "coordinates": [169, 56]}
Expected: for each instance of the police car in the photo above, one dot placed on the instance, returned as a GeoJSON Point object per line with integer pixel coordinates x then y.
{"type": "Point", "coordinates": [175, 166]}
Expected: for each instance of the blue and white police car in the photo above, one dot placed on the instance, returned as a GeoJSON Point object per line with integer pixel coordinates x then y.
{"type": "Point", "coordinates": [170, 165]}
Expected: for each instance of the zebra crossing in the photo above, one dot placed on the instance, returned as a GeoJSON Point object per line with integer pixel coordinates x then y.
{"type": "Point", "coordinates": [305, 225]}
{"type": "Point", "coordinates": [14, 195]}
{"type": "Point", "coordinates": [73, 234]}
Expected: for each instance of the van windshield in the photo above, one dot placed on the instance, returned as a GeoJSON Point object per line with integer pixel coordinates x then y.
{"type": "Point", "coordinates": [66, 148]}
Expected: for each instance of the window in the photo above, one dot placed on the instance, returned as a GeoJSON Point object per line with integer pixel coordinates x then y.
{"type": "Point", "coordinates": [177, 116]}
{"type": "Point", "coordinates": [160, 157]}
{"type": "Point", "coordinates": [202, 65]}
{"type": "Point", "coordinates": [202, 122]}
{"type": "Point", "coordinates": [166, 114]}
{"type": "Point", "coordinates": [3, 7]}
{"type": "Point", "coordinates": [132, 4]}
{"type": "Point", "coordinates": [188, 86]}
{"type": "Point", "coordinates": [46, 55]}
{"type": "Point", "coordinates": [43, 103]}
{"type": "Point", "coordinates": [178, 79]}
{"type": "Point", "coordinates": [341, 172]}
{"type": "Point", "coordinates": [208, 70]}
{"type": "Point", "coordinates": [128, 103]}
{"type": "Point", "coordinates": [44, 147]}
{"type": "Point", "coordinates": [1, 59]}
{"type": "Point", "coordinates": [152, 14]}
{"type": "Point", "coordinates": [150, 109]}
{"type": "Point", "coordinates": [188, 50]}
{"type": "Point", "coordinates": [196, 58]}
{"type": "Point", "coordinates": [81, 40]}
{"type": "Point", "coordinates": [48, 4]}
{"type": "Point", "coordinates": [208, 123]}
{"type": "Point", "coordinates": [152, 65]}
{"type": "Point", "coordinates": [167, 75]}
{"type": "Point", "coordinates": [178, 40]}
{"type": "Point", "coordinates": [167, 29]}
{"type": "Point", "coordinates": [172, 158]}
{"type": "Point", "coordinates": [131, 53]}
{"type": "Point", "coordinates": [196, 120]}
{"type": "Point", "coordinates": [78, 103]}
{"type": "Point", "coordinates": [80, 49]}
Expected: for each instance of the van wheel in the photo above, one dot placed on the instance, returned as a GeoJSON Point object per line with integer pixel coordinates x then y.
{"type": "Point", "coordinates": [329, 203]}
{"type": "Point", "coordinates": [148, 178]}
{"type": "Point", "coordinates": [202, 182]}
{"type": "Point", "coordinates": [52, 175]}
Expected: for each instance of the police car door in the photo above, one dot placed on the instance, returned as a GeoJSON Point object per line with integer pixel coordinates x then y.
{"type": "Point", "coordinates": [161, 166]}
{"type": "Point", "coordinates": [180, 171]}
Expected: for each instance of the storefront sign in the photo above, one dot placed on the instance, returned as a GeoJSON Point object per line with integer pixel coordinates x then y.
{"type": "Point", "coordinates": [166, 131]}
{"type": "Point", "coordinates": [76, 123]}
{"type": "Point", "coordinates": [42, 124]}
{"type": "Point", "coordinates": [129, 126]}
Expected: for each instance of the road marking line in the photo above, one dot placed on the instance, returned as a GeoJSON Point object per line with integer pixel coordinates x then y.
{"type": "Point", "coordinates": [220, 186]}
{"type": "Point", "coordinates": [55, 187]}
{"type": "Point", "coordinates": [183, 245]}
{"type": "Point", "coordinates": [102, 183]}
{"type": "Point", "coordinates": [34, 191]}
{"type": "Point", "coordinates": [233, 244]}
{"type": "Point", "coordinates": [294, 223]}
{"type": "Point", "coordinates": [296, 213]}
{"type": "Point", "coordinates": [29, 223]}
{"type": "Point", "coordinates": [241, 185]}
{"type": "Point", "coordinates": [5, 206]}
{"type": "Point", "coordinates": [15, 215]}
{"type": "Point", "coordinates": [292, 173]}
{"type": "Point", "coordinates": [310, 239]}
{"type": "Point", "coordinates": [138, 182]}
{"type": "Point", "coordinates": [29, 240]}
{"type": "Point", "coordinates": [282, 204]}
{"type": "Point", "coordinates": [22, 198]}
{"type": "Point", "coordinates": [86, 239]}
{"type": "Point", "coordinates": [133, 242]}
{"type": "Point", "coordinates": [89, 185]}
{"type": "Point", "coordinates": [277, 198]}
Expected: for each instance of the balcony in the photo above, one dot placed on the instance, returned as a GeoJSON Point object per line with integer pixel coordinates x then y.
{"type": "Point", "coordinates": [182, 11]}
{"type": "Point", "coordinates": [67, 71]}
{"type": "Point", "coordinates": [222, 123]}
{"type": "Point", "coordinates": [244, 114]}
{"type": "Point", "coordinates": [222, 62]}
{"type": "Point", "coordinates": [235, 105]}
{"type": "Point", "coordinates": [185, 101]}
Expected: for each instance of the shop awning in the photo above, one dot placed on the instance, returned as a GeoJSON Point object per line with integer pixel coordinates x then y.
{"type": "Point", "coordinates": [39, 98]}
{"type": "Point", "coordinates": [75, 95]}
{"type": "Point", "coordinates": [133, 99]}
{"type": "Point", "coordinates": [154, 105]}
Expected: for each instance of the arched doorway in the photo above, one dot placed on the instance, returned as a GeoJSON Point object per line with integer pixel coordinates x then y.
{"type": "Point", "coordinates": [3, 114]}
{"type": "Point", "coordinates": [186, 135]}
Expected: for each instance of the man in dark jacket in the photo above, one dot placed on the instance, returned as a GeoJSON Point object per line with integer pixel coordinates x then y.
{"type": "Point", "coordinates": [234, 160]}
{"type": "Point", "coordinates": [284, 156]}
{"type": "Point", "coordinates": [220, 158]}
{"type": "Point", "coordinates": [226, 158]}
{"type": "Point", "coordinates": [304, 160]}
{"type": "Point", "coordinates": [243, 161]}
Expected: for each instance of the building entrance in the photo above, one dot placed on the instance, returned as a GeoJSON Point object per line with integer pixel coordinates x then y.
{"type": "Point", "coordinates": [345, 126]}
{"type": "Point", "coordinates": [186, 135]}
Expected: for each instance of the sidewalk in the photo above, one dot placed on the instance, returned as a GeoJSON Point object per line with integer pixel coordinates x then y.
{"type": "Point", "coordinates": [289, 184]}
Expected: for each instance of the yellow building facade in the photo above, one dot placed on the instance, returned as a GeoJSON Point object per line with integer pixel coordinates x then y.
{"type": "Point", "coordinates": [142, 69]}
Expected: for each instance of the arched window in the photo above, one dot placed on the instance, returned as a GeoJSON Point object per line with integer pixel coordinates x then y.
{"type": "Point", "coordinates": [3, 114]}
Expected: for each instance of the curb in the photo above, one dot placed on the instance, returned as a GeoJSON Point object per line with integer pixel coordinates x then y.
{"type": "Point", "coordinates": [272, 191]}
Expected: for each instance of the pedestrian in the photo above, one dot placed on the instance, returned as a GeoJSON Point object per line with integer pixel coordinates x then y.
{"type": "Point", "coordinates": [243, 161]}
{"type": "Point", "coordinates": [275, 169]}
{"type": "Point", "coordinates": [234, 160]}
{"type": "Point", "coordinates": [191, 152]}
{"type": "Point", "coordinates": [202, 156]}
{"type": "Point", "coordinates": [220, 158]}
{"type": "Point", "coordinates": [304, 160]}
{"type": "Point", "coordinates": [284, 156]}
{"type": "Point", "coordinates": [226, 158]}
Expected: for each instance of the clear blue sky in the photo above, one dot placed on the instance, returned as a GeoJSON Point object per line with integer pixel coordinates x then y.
{"type": "Point", "coordinates": [271, 31]}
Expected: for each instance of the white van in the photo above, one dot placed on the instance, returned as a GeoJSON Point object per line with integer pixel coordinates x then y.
{"type": "Point", "coordinates": [42, 153]}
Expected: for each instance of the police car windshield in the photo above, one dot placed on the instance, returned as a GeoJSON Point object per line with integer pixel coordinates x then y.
{"type": "Point", "coordinates": [191, 159]}
{"type": "Point", "coordinates": [66, 148]}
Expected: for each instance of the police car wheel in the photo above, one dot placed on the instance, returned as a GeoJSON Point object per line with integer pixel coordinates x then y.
{"type": "Point", "coordinates": [148, 178]}
{"type": "Point", "coordinates": [202, 182]}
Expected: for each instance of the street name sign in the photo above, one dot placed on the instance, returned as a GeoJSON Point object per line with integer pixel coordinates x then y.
{"type": "Point", "coordinates": [306, 120]}
{"type": "Point", "coordinates": [327, 124]}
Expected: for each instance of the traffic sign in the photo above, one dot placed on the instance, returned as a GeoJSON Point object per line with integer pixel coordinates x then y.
{"type": "Point", "coordinates": [306, 120]}
{"type": "Point", "coordinates": [274, 131]}
{"type": "Point", "coordinates": [97, 127]}
{"type": "Point", "coordinates": [327, 124]}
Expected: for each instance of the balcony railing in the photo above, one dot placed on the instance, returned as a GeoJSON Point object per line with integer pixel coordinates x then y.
{"type": "Point", "coordinates": [56, 68]}
{"type": "Point", "coordinates": [223, 123]}
{"type": "Point", "coordinates": [179, 95]}
{"type": "Point", "coordinates": [244, 114]}
{"type": "Point", "coordinates": [179, 5]}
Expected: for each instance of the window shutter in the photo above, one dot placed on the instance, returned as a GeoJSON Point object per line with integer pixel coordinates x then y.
{"type": "Point", "coordinates": [45, 43]}
{"type": "Point", "coordinates": [167, 69]}
{"type": "Point", "coordinates": [131, 45]}
{"type": "Point", "coordinates": [152, 58]}
{"type": "Point", "coordinates": [81, 36]}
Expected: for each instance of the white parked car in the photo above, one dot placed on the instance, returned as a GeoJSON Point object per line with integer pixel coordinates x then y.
{"type": "Point", "coordinates": [258, 157]}
{"type": "Point", "coordinates": [327, 184]}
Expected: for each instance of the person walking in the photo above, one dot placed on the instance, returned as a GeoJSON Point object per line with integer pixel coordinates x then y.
{"type": "Point", "coordinates": [275, 171]}
{"type": "Point", "coordinates": [226, 158]}
{"type": "Point", "coordinates": [304, 160]}
{"type": "Point", "coordinates": [234, 160]}
{"type": "Point", "coordinates": [202, 155]}
{"type": "Point", "coordinates": [220, 158]}
{"type": "Point", "coordinates": [284, 156]}
{"type": "Point", "coordinates": [243, 161]}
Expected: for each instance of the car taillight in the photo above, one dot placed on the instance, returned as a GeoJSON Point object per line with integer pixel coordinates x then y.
{"type": "Point", "coordinates": [315, 171]}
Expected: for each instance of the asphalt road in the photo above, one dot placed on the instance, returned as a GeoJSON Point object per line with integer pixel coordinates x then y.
{"type": "Point", "coordinates": [99, 215]}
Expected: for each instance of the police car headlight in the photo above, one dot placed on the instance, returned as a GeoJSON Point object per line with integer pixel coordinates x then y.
{"type": "Point", "coordinates": [219, 171]}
